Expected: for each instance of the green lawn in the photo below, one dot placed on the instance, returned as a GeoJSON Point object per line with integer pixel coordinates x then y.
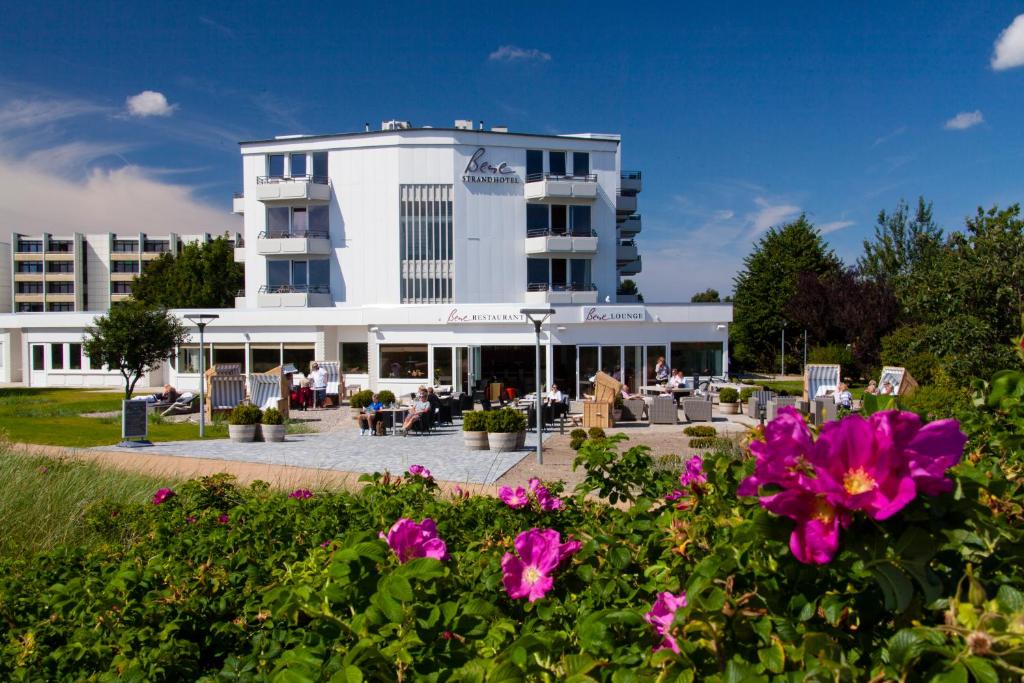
{"type": "Point", "coordinates": [54, 417]}
{"type": "Point", "coordinates": [796, 387]}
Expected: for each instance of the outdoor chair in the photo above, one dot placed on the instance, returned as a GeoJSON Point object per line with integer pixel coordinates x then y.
{"type": "Point", "coordinates": [224, 392]}
{"type": "Point", "coordinates": [265, 392]}
{"type": "Point", "coordinates": [663, 411]}
{"type": "Point", "coordinates": [902, 382]}
{"type": "Point", "coordinates": [186, 404]}
{"type": "Point", "coordinates": [227, 368]}
{"type": "Point", "coordinates": [696, 409]}
{"type": "Point", "coordinates": [757, 400]}
{"type": "Point", "coordinates": [824, 410]}
{"type": "Point", "coordinates": [781, 402]}
{"type": "Point", "coordinates": [444, 411]}
{"type": "Point", "coordinates": [818, 379]}
{"type": "Point", "coordinates": [634, 409]}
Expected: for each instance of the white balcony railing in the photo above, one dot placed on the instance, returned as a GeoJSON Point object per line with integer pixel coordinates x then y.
{"type": "Point", "coordinates": [288, 189]}
{"type": "Point", "coordinates": [271, 243]}
{"type": "Point", "coordinates": [547, 243]}
{"type": "Point", "coordinates": [543, 293]}
{"type": "Point", "coordinates": [545, 187]}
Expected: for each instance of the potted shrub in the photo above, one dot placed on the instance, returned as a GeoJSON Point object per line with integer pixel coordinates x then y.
{"type": "Point", "coordinates": [387, 398]}
{"type": "Point", "coordinates": [361, 399]}
{"type": "Point", "coordinates": [503, 428]}
{"type": "Point", "coordinates": [272, 425]}
{"type": "Point", "coordinates": [242, 422]}
{"type": "Point", "coordinates": [729, 401]}
{"type": "Point", "coordinates": [474, 430]}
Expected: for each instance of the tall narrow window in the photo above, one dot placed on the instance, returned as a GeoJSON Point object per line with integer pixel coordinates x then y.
{"type": "Point", "coordinates": [559, 273]}
{"type": "Point", "coordinates": [320, 220]}
{"type": "Point", "coordinates": [75, 356]}
{"type": "Point", "coordinates": [300, 222]}
{"type": "Point", "coordinates": [580, 221]}
{"type": "Point", "coordinates": [558, 219]}
{"type": "Point", "coordinates": [534, 163]}
{"type": "Point", "coordinates": [299, 274]}
{"type": "Point", "coordinates": [278, 274]}
{"type": "Point", "coordinates": [579, 273]}
{"type": "Point", "coordinates": [277, 221]}
{"type": "Point", "coordinates": [56, 356]}
{"type": "Point", "coordinates": [275, 165]}
{"type": "Point", "coordinates": [580, 164]}
{"type": "Point", "coordinates": [320, 165]}
{"type": "Point", "coordinates": [556, 163]}
{"type": "Point", "coordinates": [425, 243]}
{"type": "Point", "coordinates": [319, 273]}
{"type": "Point", "coordinates": [298, 162]}
{"type": "Point", "coordinates": [536, 219]}
{"type": "Point", "coordinates": [536, 274]}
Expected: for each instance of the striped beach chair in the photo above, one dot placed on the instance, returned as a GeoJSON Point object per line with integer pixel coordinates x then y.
{"type": "Point", "coordinates": [818, 379]}
{"type": "Point", "coordinates": [223, 393]}
{"type": "Point", "coordinates": [227, 368]}
{"type": "Point", "coordinates": [902, 383]}
{"type": "Point", "coordinates": [265, 392]}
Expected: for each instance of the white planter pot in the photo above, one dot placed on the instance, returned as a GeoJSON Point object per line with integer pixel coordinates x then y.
{"type": "Point", "coordinates": [273, 432]}
{"type": "Point", "coordinates": [520, 440]}
{"type": "Point", "coordinates": [242, 433]}
{"type": "Point", "coordinates": [475, 441]}
{"type": "Point", "coordinates": [729, 408]}
{"type": "Point", "coordinates": [502, 441]}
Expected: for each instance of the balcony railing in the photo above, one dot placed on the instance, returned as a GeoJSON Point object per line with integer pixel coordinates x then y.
{"type": "Point", "coordinates": [270, 180]}
{"type": "Point", "coordinates": [546, 232]}
{"type": "Point", "coordinates": [536, 177]}
{"type": "Point", "coordinates": [65, 247]}
{"type": "Point", "coordinates": [284, 234]}
{"type": "Point", "coordinates": [238, 195]}
{"type": "Point", "coordinates": [570, 287]}
{"type": "Point", "coordinates": [631, 175]}
{"type": "Point", "coordinates": [295, 289]}
{"type": "Point", "coordinates": [126, 246]}
{"type": "Point", "coordinates": [29, 248]}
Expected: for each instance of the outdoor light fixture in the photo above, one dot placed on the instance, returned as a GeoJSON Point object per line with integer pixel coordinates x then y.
{"type": "Point", "coordinates": [375, 329]}
{"type": "Point", "coordinates": [201, 320]}
{"type": "Point", "coordinates": [560, 328]}
{"type": "Point", "coordinates": [537, 316]}
{"type": "Point", "coordinates": [721, 327]}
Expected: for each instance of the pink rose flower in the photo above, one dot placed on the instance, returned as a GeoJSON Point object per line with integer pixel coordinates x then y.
{"type": "Point", "coordinates": [693, 473]}
{"type": "Point", "coordinates": [410, 540]}
{"type": "Point", "coordinates": [301, 494]}
{"type": "Point", "coordinates": [223, 518]}
{"type": "Point", "coordinates": [419, 471]}
{"type": "Point", "coordinates": [545, 499]}
{"type": "Point", "coordinates": [162, 495]}
{"type": "Point", "coordinates": [514, 498]}
{"type": "Point", "coordinates": [540, 552]}
{"type": "Point", "coordinates": [661, 617]}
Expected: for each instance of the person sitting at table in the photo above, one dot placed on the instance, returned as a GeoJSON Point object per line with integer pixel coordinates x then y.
{"type": "Point", "coordinates": [887, 388]}
{"type": "Point", "coordinates": [434, 401]}
{"type": "Point", "coordinates": [369, 417]}
{"type": "Point", "coordinates": [677, 380]}
{"type": "Point", "coordinates": [626, 394]}
{"type": "Point", "coordinates": [419, 414]}
{"type": "Point", "coordinates": [661, 371]}
{"type": "Point", "coordinates": [843, 397]}
{"type": "Point", "coordinates": [872, 388]}
{"type": "Point", "coordinates": [556, 400]}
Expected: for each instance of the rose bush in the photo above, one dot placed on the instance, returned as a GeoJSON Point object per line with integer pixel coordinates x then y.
{"type": "Point", "coordinates": [925, 582]}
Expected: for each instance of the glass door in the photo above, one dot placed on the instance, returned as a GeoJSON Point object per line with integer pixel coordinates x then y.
{"type": "Point", "coordinates": [38, 368]}
{"type": "Point", "coordinates": [467, 369]}
{"type": "Point", "coordinates": [586, 367]}
{"type": "Point", "coordinates": [633, 367]}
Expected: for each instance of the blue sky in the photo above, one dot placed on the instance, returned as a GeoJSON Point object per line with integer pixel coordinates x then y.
{"type": "Point", "coordinates": [740, 117]}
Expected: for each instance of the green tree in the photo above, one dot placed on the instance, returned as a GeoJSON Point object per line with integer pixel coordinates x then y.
{"type": "Point", "coordinates": [134, 339]}
{"type": "Point", "coordinates": [902, 244]}
{"type": "Point", "coordinates": [200, 276]}
{"type": "Point", "coordinates": [768, 281]}
{"type": "Point", "coordinates": [709, 295]}
{"type": "Point", "coordinates": [630, 287]}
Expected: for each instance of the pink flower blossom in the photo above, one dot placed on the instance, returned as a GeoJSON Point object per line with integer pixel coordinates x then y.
{"type": "Point", "coordinates": [675, 495]}
{"type": "Point", "coordinates": [301, 494]}
{"type": "Point", "coordinates": [661, 617]}
{"type": "Point", "coordinates": [326, 544]}
{"type": "Point", "coordinates": [419, 471]}
{"type": "Point", "coordinates": [540, 552]}
{"type": "Point", "coordinates": [410, 540]}
{"type": "Point", "coordinates": [162, 495]}
{"type": "Point", "coordinates": [191, 519]}
{"type": "Point", "coordinates": [693, 473]}
{"type": "Point", "coordinates": [876, 466]}
{"type": "Point", "coordinates": [514, 498]}
{"type": "Point", "coordinates": [223, 518]}
{"type": "Point", "coordinates": [545, 499]}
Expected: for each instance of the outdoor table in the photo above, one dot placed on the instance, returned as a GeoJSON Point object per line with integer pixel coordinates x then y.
{"type": "Point", "coordinates": [394, 417]}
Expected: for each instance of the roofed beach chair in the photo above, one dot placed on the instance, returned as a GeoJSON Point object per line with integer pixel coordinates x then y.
{"type": "Point", "coordinates": [819, 380]}
{"type": "Point", "coordinates": [265, 392]}
{"type": "Point", "coordinates": [902, 383]}
{"type": "Point", "coordinates": [223, 393]}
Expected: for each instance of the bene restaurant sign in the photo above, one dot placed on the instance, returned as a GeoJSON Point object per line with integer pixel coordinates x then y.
{"type": "Point", "coordinates": [480, 170]}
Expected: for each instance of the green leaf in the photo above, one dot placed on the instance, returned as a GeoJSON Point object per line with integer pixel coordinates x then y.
{"type": "Point", "coordinates": [619, 557]}
{"type": "Point", "coordinates": [896, 587]}
{"type": "Point", "coordinates": [982, 671]}
{"type": "Point", "coordinates": [773, 657]}
{"type": "Point", "coordinates": [349, 674]}
{"type": "Point", "coordinates": [578, 664]}
{"type": "Point", "coordinates": [957, 674]}
{"type": "Point", "coordinates": [396, 586]}
{"type": "Point", "coordinates": [1009, 599]}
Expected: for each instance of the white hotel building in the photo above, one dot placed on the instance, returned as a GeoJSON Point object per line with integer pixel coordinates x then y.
{"type": "Point", "coordinates": [407, 254]}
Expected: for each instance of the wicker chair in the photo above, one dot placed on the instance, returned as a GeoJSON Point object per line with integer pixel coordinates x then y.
{"type": "Point", "coordinates": [696, 409]}
{"type": "Point", "coordinates": [633, 409]}
{"type": "Point", "coordinates": [663, 411]}
{"type": "Point", "coordinates": [781, 402]}
{"type": "Point", "coordinates": [758, 399]}
{"type": "Point", "coordinates": [824, 410]}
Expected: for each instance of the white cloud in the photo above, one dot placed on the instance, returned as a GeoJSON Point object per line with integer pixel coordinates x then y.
{"type": "Point", "coordinates": [965, 120]}
{"type": "Point", "coordinates": [34, 112]}
{"type": "Point", "coordinates": [513, 53]}
{"type": "Point", "coordinates": [1008, 51]}
{"type": "Point", "coordinates": [149, 103]}
{"type": "Point", "coordinates": [833, 226]}
{"type": "Point", "coordinates": [770, 214]}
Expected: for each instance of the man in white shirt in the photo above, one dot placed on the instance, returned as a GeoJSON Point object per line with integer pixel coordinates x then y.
{"type": "Point", "coordinates": [318, 380]}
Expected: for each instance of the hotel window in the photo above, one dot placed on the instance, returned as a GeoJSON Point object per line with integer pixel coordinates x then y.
{"type": "Point", "coordinates": [537, 273]}
{"type": "Point", "coordinates": [558, 219]}
{"type": "Point", "coordinates": [556, 163]}
{"type": "Point", "coordinates": [120, 288]}
{"type": "Point", "coordinates": [56, 356]}
{"type": "Point", "coordinates": [425, 244]}
{"type": "Point", "coordinates": [534, 163]}
{"type": "Point", "coordinates": [126, 246]}
{"type": "Point", "coordinates": [74, 356]}
{"type": "Point", "coordinates": [355, 358]}
{"type": "Point", "coordinates": [320, 166]}
{"type": "Point", "coordinates": [580, 164]}
{"type": "Point", "coordinates": [229, 354]}
{"type": "Point", "coordinates": [403, 361]}
{"type": "Point", "coordinates": [61, 245]}
{"type": "Point", "coordinates": [275, 165]}
{"type": "Point", "coordinates": [29, 288]}
{"type": "Point", "coordinates": [537, 219]}
{"type": "Point", "coordinates": [265, 358]}
{"type": "Point", "coordinates": [188, 359]}
{"type": "Point", "coordinates": [60, 307]}
{"type": "Point", "coordinates": [284, 274]}
{"type": "Point", "coordinates": [29, 308]}
{"type": "Point", "coordinates": [60, 287]}
{"type": "Point", "coordinates": [60, 267]}
{"type": "Point", "coordinates": [579, 220]}
{"type": "Point", "coordinates": [298, 165]}
{"type": "Point", "coordinates": [29, 246]}
{"type": "Point", "coordinates": [30, 266]}
{"type": "Point", "coordinates": [124, 266]}
{"type": "Point", "coordinates": [579, 273]}
{"type": "Point", "coordinates": [156, 246]}
{"type": "Point", "coordinates": [299, 356]}
{"type": "Point", "coordinates": [38, 357]}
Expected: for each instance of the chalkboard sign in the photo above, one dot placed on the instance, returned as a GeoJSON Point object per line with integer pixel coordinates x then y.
{"type": "Point", "coordinates": [133, 420]}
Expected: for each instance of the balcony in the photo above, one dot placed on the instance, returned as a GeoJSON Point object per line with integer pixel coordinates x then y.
{"type": "Point", "coordinates": [630, 226]}
{"type": "Point", "coordinates": [310, 189]}
{"type": "Point", "coordinates": [625, 251]}
{"type": "Point", "coordinates": [625, 204]}
{"type": "Point", "coordinates": [561, 189]}
{"type": "Point", "coordinates": [546, 243]}
{"type": "Point", "coordinates": [543, 293]}
{"type": "Point", "coordinates": [238, 203]}
{"type": "Point", "coordinates": [630, 182]}
{"type": "Point", "coordinates": [283, 243]}
{"type": "Point", "coordinates": [632, 268]}
{"type": "Point", "coordinates": [293, 296]}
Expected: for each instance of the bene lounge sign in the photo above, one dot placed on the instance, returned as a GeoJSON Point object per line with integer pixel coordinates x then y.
{"type": "Point", "coordinates": [613, 314]}
{"type": "Point", "coordinates": [480, 170]}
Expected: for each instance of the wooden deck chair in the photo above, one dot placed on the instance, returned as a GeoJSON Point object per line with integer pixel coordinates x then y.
{"type": "Point", "coordinates": [265, 391]}
{"type": "Point", "coordinates": [227, 368]}
{"type": "Point", "coordinates": [223, 393]}
{"type": "Point", "coordinates": [818, 378]}
{"type": "Point", "coordinates": [902, 382]}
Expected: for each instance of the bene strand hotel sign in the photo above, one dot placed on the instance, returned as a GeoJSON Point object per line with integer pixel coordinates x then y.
{"type": "Point", "coordinates": [479, 170]}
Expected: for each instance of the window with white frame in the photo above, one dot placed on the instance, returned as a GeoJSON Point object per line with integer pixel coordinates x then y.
{"type": "Point", "coordinates": [425, 243]}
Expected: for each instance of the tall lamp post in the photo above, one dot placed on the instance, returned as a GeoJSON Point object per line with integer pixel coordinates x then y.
{"type": "Point", "coordinates": [537, 316]}
{"type": "Point", "coordinates": [784, 348]}
{"type": "Point", "coordinates": [201, 320]}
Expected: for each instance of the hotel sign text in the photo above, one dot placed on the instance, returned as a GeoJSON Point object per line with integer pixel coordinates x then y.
{"type": "Point", "coordinates": [613, 314]}
{"type": "Point", "coordinates": [479, 170]}
{"type": "Point", "coordinates": [455, 317]}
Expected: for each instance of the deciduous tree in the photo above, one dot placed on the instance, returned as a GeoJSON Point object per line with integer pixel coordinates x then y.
{"type": "Point", "coordinates": [200, 276]}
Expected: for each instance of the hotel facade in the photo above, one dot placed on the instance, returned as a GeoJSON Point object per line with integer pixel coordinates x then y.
{"type": "Point", "coordinates": [407, 254]}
